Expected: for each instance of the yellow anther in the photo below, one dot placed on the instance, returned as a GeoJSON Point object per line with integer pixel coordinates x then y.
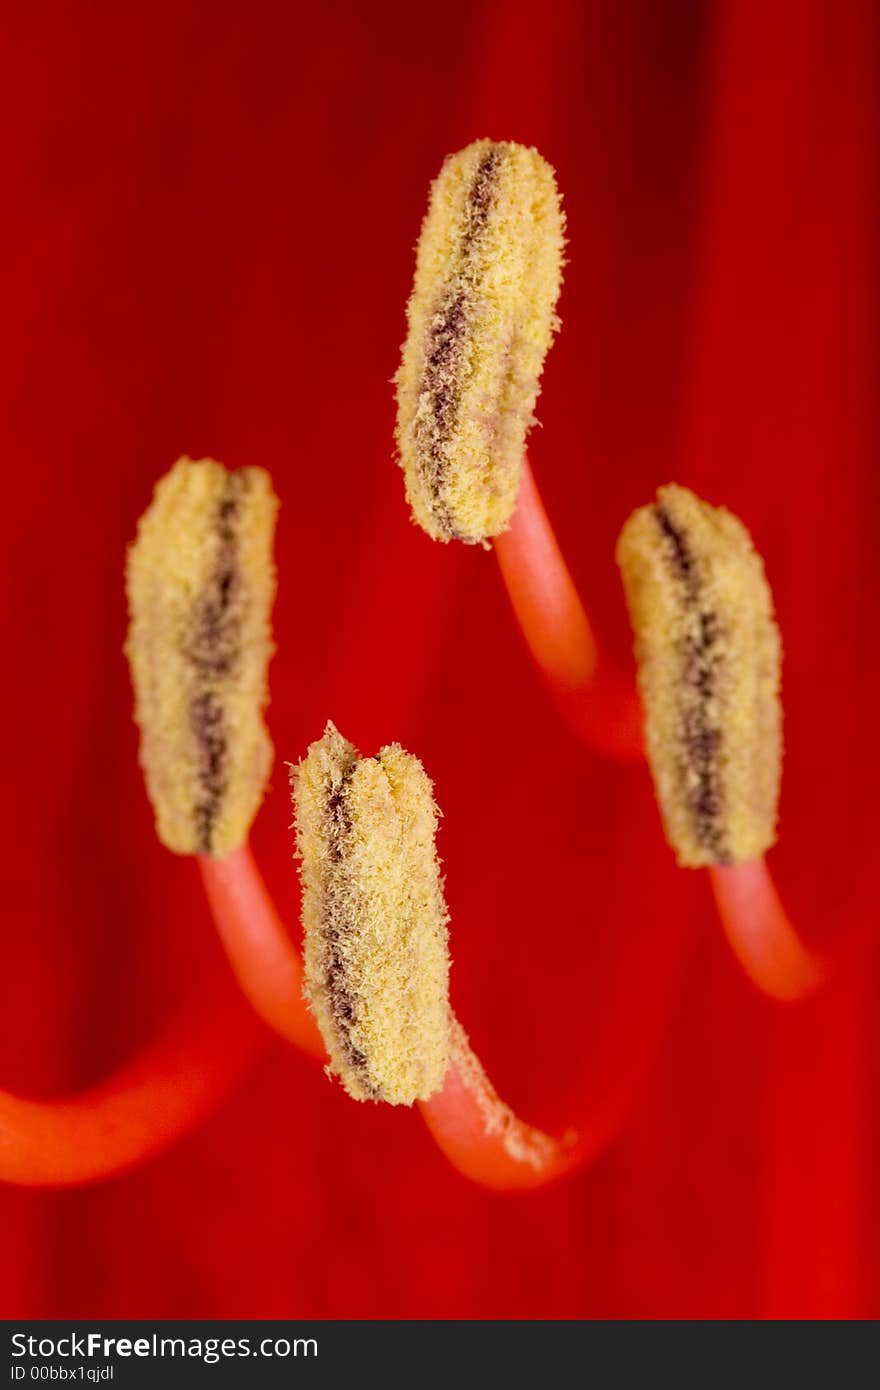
{"type": "Point", "coordinates": [481, 318]}
{"type": "Point", "coordinates": [377, 964]}
{"type": "Point", "coordinates": [709, 654]}
{"type": "Point", "coordinates": [201, 582]}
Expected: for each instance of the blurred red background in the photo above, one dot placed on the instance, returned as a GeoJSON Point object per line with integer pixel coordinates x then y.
{"type": "Point", "coordinates": [207, 225]}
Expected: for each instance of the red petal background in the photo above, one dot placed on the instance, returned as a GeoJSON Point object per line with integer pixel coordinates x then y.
{"type": "Point", "coordinates": [207, 224]}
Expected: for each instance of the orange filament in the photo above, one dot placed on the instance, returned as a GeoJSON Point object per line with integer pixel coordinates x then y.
{"type": "Point", "coordinates": [486, 1142]}
{"type": "Point", "coordinates": [596, 700]}
{"type": "Point", "coordinates": [174, 1083]}
{"type": "Point", "coordinates": [758, 929]}
{"type": "Point", "coordinates": [265, 961]}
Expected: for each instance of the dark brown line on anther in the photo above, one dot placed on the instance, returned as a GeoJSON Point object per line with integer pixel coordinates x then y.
{"type": "Point", "coordinates": [213, 652]}
{"type": "Point", "coordinates": [343, 1002]}
{"type": "Point", "coordinates": [701, 742]}
{"type": "Point", "coordinates": [445, 341]}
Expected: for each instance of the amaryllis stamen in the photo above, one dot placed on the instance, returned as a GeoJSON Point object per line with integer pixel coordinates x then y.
{"type": "Point", "coordinates": [477, 1132]}
{"type": "Point", "coordinates": [709, 655]}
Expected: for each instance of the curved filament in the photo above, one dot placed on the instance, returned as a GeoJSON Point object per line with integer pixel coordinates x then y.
{"type": "Point", "coordinates": [759, 932]}
{"type": "Point", "coordinates": [265, 961]}
{"type": "Point", "coordinates": [174, 1083]}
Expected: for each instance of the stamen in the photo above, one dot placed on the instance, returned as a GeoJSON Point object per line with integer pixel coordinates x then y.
{"type": "Point", "coordinates": [477, 1132]}
{"type": "Point", "coordinates": [200, 584]}
{"type": "Point", "coordinates": [200, 587]}
{"type": "Point", "coordinates": [480, 320]}
{"type": "Point", "coordinates": [709, 655]}
{"type": "Point", "coordinates": [376, 967]}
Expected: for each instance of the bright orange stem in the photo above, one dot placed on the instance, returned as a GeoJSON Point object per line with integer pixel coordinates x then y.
{"type": "Point", "coordinates": [265, 960]}
{"type": "Point", "coordinates": [760, 933]}
{"type": "Point", "coordinates": [486, 1142]}
{"type": "Point", "coordinates": [200, 1056]}
{"type": "Point", "coordinates": [599, 704]}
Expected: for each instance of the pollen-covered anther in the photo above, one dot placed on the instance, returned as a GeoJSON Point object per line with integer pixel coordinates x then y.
{"type": "Point", "coordinates": [480, 320]}
{"type": "Point", "coordinates": [708, 654]}
{"type": "Point", "coordinates": [201, 581]}
{"type": "Point", "coordinates": [374, 919]}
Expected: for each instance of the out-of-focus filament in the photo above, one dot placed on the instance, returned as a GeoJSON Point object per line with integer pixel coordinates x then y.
{"type": "Point", "coordinates": [265, 961]}
{"type": "Point", "coordinates": [597, 701]}
{"type": "Point", "coordinates": [759, 932]}
{"type": "Point", "coordinates": [171, 1086]}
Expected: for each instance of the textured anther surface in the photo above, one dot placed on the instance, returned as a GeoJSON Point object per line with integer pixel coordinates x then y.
{"type": "Point", "coordinates": [201, 581]}
{"type": "Point", "coordinates": [709, 656]}
{"type": "Point", "coordinates": [480, 320]}
{"type": "Point", "coordinates": [374, 919]}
